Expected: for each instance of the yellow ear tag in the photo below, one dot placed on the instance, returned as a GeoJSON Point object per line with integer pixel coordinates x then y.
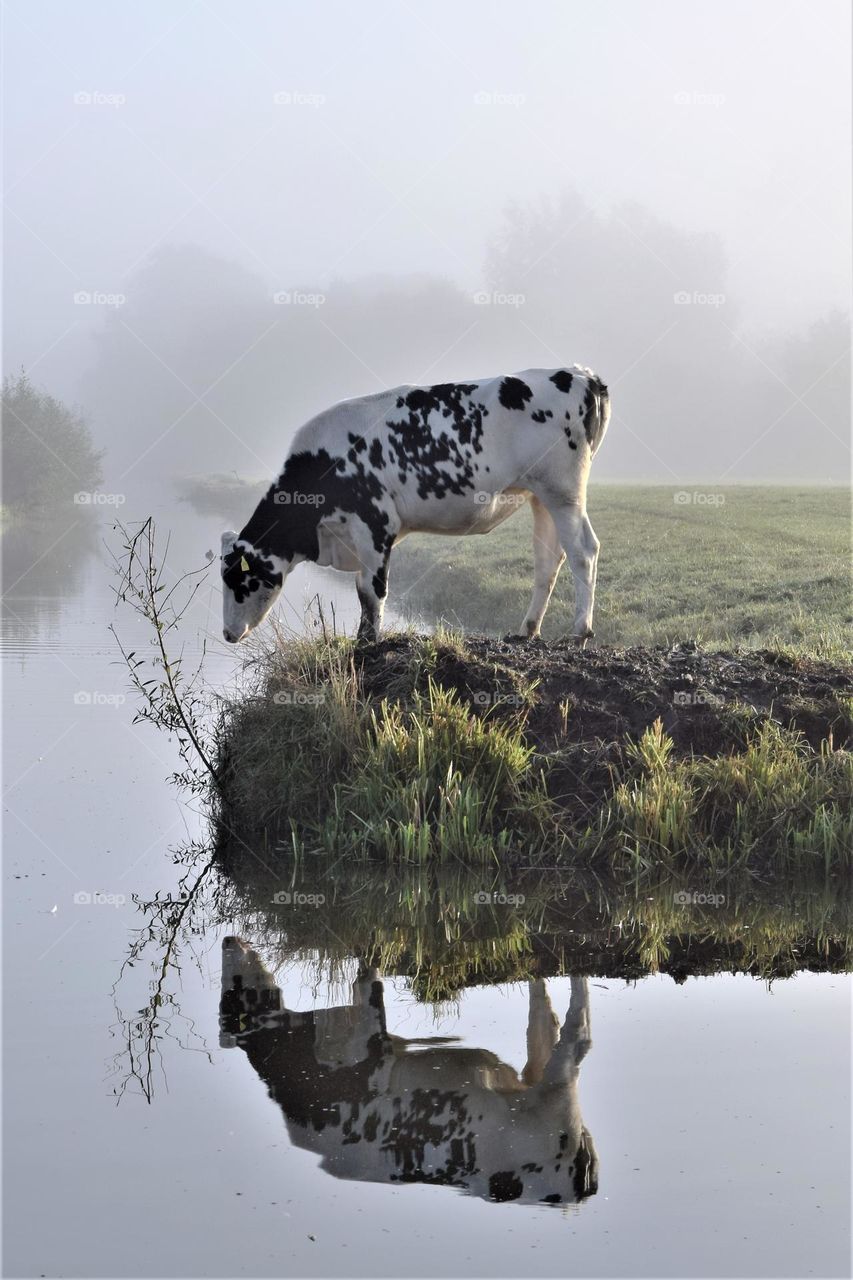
{"type": "Point", "coordinates": [244, 564]}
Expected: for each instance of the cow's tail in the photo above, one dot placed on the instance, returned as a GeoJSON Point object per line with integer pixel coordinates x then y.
{"type": "Point", "coordinates": [600, 415]}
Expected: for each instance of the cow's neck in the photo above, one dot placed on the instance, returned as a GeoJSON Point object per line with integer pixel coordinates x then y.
{"type": "Point", "coordinates": [281, 526]}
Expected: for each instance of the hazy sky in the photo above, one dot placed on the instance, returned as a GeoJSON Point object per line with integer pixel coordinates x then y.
{"type": "Point", "coordinates": [402, 132]}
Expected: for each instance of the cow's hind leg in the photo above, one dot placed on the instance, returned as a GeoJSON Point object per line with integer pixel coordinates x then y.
{"type": "Point", "coordinates": [575, 1039]}
{"type": "Point", "coordinates": [548, 557]}
{"type": "Point", "coordinates": [543, 1031]}
{"type": "Point", "coordinates": [580, 544]}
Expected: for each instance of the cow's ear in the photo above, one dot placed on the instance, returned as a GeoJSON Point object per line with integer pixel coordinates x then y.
{"type": "Point", "coordinates": [229, 537]}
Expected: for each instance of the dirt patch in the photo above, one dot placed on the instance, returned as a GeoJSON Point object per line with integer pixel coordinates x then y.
{"type": "Point", "coordinates": [705, 699]}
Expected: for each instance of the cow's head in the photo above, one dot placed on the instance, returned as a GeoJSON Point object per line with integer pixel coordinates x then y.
{"type": "Point", "coordinates": [251, 582]}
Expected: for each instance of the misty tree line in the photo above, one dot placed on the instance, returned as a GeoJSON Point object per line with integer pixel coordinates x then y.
{"type": "Point", "coordinates": [215, 367]}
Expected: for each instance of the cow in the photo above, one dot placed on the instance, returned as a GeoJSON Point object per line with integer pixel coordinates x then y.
{"type": "Point", "coordinates": [380, 1108]}
{"type": "Point", "coordinates": [454, 458]}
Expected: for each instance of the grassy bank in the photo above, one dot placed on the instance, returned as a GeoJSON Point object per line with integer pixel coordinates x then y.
{"type": "Point", "coordinates": [732, 565]}
{"type": "Point", "coordinates": [631, 760]}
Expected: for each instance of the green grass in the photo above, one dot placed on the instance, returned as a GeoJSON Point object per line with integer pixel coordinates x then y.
{"type": "Point", "coordinates": [766, 566]}
{"type": "Point", "coordinates": [407, 779]}
{"type": "Point", "coordinates": [316, 757]}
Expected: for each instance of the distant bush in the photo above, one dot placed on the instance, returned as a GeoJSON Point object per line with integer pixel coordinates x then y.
{"type": "Point", "coordinates": [48, 453]}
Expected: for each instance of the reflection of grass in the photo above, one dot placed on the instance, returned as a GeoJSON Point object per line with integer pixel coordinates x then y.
{"type": "Point", "coordinates": [404, 768]}
{"type": "Point", "coordinates": [446, 926]}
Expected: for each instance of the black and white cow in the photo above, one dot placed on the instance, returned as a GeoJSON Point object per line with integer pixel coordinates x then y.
{"type": "Point", "coordinates": [456, 458]}
{"type": "Point", "coordinates": [378, 1108]}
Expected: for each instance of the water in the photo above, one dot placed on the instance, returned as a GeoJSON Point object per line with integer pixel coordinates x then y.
{"type": "Point", "coordinates": [718, 1110]}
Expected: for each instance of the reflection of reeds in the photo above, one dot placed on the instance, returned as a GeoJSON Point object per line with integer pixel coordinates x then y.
{"type": "Point", "coordinates": [367, 756]}
{"type": "Point", "coordinates": [447, 926]}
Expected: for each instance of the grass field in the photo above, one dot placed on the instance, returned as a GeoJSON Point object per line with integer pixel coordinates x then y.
{"type": "Point", "coordinates": [732, 565]}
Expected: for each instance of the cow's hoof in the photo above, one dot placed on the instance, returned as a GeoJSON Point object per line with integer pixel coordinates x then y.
{"type": "Point", "coordinates": [578, 641]}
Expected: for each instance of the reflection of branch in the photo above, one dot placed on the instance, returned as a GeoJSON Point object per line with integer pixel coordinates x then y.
{"type": "Point", "coordinates": [167, 928]}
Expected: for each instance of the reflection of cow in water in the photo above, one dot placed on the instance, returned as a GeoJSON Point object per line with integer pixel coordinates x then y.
{"type": "Point", "coordinates": [379, 1108]}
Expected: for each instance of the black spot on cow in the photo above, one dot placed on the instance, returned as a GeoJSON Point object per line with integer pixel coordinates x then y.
{"type": "Point", "coordinates": [376, 456]}
{"type": "Point", "coordinates": [552, 1199]}
{"type": "Point", "coordinates": [562, 380]}
{"type": "Point", "coordinates": [505, 1186]}
{"type": "Point", "coordinates": [514, 394]}
{"type": "Point", "coordinates": [541, 415]}
{"type": "Point", "coordinates": [430, 452]}
{"type": "Point", "coordinates": [284, 523]}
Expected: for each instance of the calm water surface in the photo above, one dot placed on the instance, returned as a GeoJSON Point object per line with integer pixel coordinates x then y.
{"type": "Point", "coordinates": [707, 1124]}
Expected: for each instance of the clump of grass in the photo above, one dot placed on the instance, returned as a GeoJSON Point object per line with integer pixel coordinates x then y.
{"type": "Point", "coordinates": [439, 780]}
{"type": "Point", "coordinates": [657, 805]}
{"type": "Point", "coordinates": [775, 804]}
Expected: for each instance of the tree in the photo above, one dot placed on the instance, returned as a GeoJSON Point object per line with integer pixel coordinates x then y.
{"type": "Point", "coordinates": [48, 453]}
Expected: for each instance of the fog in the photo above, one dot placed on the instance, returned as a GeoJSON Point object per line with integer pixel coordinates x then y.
{"type": "Point", "coordinates": [222, 218]}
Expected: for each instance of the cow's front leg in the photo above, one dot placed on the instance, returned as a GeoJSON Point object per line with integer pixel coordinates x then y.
{"type": "Point", "coordinates": [372, 588]}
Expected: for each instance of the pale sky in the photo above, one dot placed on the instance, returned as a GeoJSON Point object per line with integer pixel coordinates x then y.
{"type": "Point", "coordinates": [402, 132]}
